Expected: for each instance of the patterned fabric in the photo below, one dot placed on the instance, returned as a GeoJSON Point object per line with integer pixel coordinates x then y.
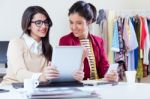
{"type": "Point", "coordinates": [91, 58]}
{"type": "Point", "coordinates": [120, 56]}
{"type": "Point", "coordinates": [115, 41]}
{"type": "Point", "coordinates": [126, 34]}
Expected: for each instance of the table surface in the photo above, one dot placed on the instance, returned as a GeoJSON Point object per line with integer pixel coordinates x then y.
{"type": "Point", "coordinates": [120, 91]}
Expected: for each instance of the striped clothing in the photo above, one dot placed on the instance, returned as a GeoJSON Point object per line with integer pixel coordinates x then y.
{"type": "Point", "coordinates": [91, 58]}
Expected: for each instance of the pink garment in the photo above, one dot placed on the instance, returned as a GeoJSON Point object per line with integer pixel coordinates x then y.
{"type": "Point", "coordinates": [143, 33]}
{"type": "Point", "coordinates": [126, 31]}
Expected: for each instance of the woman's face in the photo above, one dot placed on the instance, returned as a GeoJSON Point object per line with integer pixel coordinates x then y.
{"type": "Point", "coordinates": [39, 26]}
{"type": "Point", "coordinates": [78, 25]}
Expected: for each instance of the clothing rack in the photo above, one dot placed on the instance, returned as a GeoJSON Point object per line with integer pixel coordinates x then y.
{"type": "Point", "coordinates": [133, 12]}
{"type": "Point", "coordinates": [126, 13]}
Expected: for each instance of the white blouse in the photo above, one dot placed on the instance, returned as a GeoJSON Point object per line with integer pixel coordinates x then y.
{"type": "Point", "coordinates": [35, 47]}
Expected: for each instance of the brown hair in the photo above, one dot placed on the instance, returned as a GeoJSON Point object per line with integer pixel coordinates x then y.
{"type": "Point", "coordinates": [26, 22]}
{"type": "Point", "coordinates": [86, 10]}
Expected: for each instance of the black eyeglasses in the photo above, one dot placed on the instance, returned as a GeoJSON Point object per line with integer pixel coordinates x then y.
{"type": "Point", "coordinates": [39, 23]}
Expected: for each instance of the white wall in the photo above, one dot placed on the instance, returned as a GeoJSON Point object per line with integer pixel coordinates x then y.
{"type": "Point", "coordinates": [11, 12]}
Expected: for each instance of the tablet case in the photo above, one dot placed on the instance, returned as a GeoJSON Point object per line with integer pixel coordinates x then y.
{"type": "Point", "coordinates": [56, 84]}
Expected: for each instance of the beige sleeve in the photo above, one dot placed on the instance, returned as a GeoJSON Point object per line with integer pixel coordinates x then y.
{"type": "Point", "coordinates": [16, 63]}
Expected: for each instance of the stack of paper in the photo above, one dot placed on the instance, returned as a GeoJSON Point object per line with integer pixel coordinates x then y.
{"type": "Point", "coordinates": [62, 92]}
{"type": "Point", "coordinates": [98, 82]}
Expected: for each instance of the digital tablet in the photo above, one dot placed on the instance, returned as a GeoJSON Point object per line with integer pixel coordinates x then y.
{"type": "Point", "coordinates": [67, 60]}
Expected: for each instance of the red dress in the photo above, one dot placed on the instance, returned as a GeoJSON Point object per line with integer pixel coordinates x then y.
{"type": "Point", "coordinates": [98, 48]}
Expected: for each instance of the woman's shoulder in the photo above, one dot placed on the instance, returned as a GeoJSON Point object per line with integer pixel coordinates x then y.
{"type": "Point", "coordinates": [67, 36]}
{"type": "Point", "coordinates": [98, 38]}
{"type": "Point", "coordinates": [17, 42]}
{"type": "Point", "coordinates": [67, 39]}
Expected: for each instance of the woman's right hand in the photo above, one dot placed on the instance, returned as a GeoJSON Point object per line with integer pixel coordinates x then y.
{"type": "Point", "coordinates": [50, 72]}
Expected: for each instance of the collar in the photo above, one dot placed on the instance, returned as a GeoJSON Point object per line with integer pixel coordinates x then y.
{"type": "Point", "coordinates": [33, 45]}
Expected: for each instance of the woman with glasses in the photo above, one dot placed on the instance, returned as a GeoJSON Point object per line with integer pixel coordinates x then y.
{"type": "Point", "coordinates": [29, 55]}
{"type": "Point", "coordinates": [81, 16]}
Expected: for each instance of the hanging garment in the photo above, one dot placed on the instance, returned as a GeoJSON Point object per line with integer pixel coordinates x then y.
{"type": "Point", "coordinates": [148, 22]}
{"type": "Point", "coordinates": [101, 16]}
{"type": "Point", "coordinates": [120, 56]}
{"type": "Point", "coordinates": [130, 42]}
{"type": "Point", "coordinates": [111, 18]}
{"type": "Point", "coordinates": [143, 33]}
{"type": "Point", "coordinates": [115, 41]}
{"type": "Point", "coordinates": [118, 47]}
{"type": "Point", "coordinates": [103, 27]}
{"type": "Point", "coordinates": [138, 32]}
{"type": "Point", "coordinates": [149, 62]}
{"type": "Point", "coordinates": [146, 44]}
{"type": "Point", "coordinates": [133, 44]}
{"type": "Point", "coordinates": [136, 50]}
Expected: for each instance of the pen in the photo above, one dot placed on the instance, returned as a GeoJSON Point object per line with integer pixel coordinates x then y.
{"type": "Point", "coordinates": [3, 90]}
{"type": "Point", "coordinates": [88, 84]}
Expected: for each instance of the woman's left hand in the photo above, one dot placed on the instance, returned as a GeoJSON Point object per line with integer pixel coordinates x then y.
{"type": "Point", "coordinates": [112, 76]}
{"type": "Point", "coordinates": [78, 75]}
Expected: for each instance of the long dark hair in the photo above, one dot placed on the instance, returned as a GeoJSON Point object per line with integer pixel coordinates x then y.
{"type": "Point", "coordinates": [26, 22]}
{"type": "Point", "coordinates": [86, 10]}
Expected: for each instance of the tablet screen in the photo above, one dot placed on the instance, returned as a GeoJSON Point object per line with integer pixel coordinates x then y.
{"type": "Point", "coordinates": [67, 60]}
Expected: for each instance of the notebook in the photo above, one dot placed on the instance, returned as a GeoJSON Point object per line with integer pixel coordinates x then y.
{"type": "Point", "coordinates": [67, 60]}
{"type": "Point", "coordinates": [61, 93]}
{"type": "Point", "coordinates": [98, 82]}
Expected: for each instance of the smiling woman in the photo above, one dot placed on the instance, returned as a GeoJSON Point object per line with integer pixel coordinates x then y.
{"type": "Point", "coordinates": [81, 15]}
{"type": "Point", "coordinates": [30, 54]}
